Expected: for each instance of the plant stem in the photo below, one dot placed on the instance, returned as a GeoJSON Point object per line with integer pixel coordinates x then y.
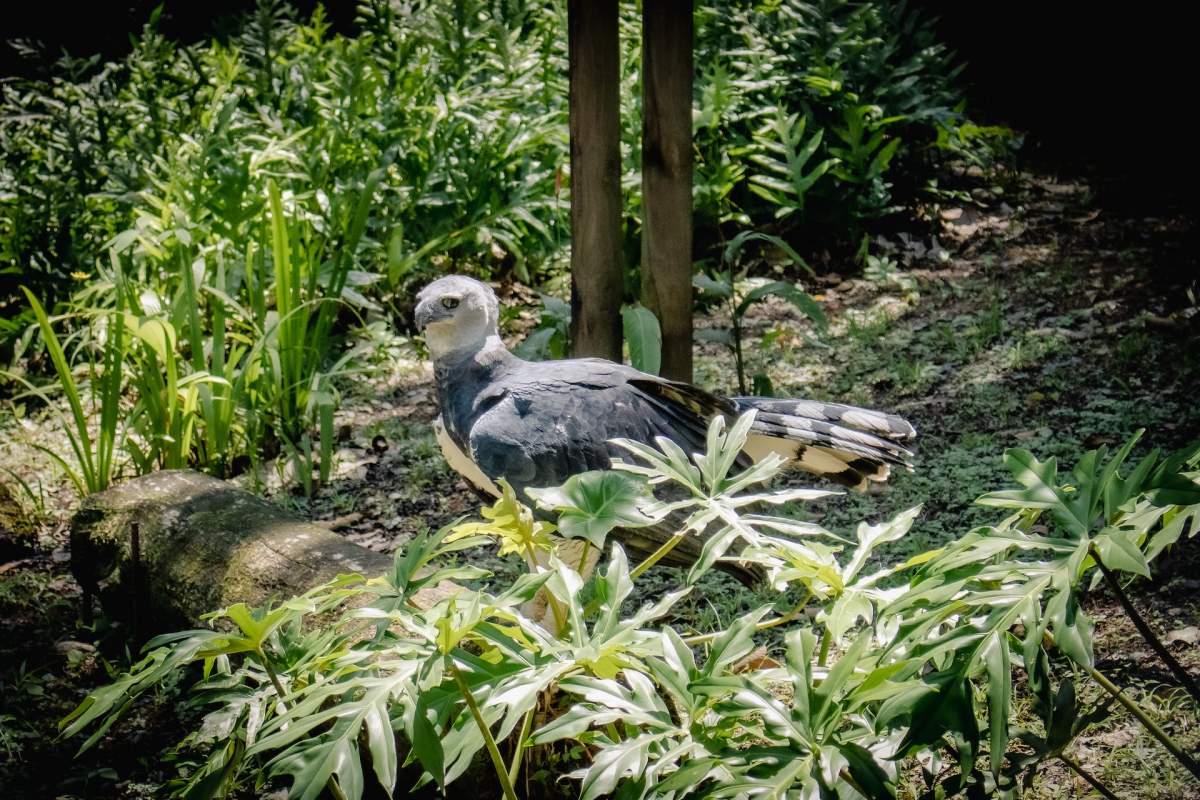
{"type": "Point", "coordinates": [1181, 674]}
{"type": "Point", "coordinates": [762, 626]}
{"type": "Point", "coordinates": [266, 662]}
{"type": "Point", "coordinates": [737, 352]}
{"type": "Point", "coordinates": [1158, 733]}
{"type": "Point", "coordinates": [826, 640]}
{"type": "Point", "coordinates": [736, 326]}
{"type": "Point", "coordinates": [331, 784]}
{"type": "Point", "coordinates": [656, 556]}
{"type": "Point", "coordinates": [493, 751]}
{"type": "Point", "coordinates": [555, 609]}
{"type": "Point", "coordinates": [1081, 772]}
{"type": "Point", "coordinates": [519, 749]}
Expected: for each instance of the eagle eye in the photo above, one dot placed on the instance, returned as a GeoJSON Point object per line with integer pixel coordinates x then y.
{"type": "Point", "coordinates": [449, 302]}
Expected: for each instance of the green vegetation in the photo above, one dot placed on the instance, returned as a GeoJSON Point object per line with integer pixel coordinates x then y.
{"type": "Point", "coordinates": [882, 671]}
{"type": "Point", "coordinates": [226, 228]}
{"type": "Point", "coordinates": [208, 254]}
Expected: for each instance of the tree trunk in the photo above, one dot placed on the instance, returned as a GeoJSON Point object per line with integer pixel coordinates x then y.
{"type": "Point", "coordinates": [166, 548]}
{"type": "Point", "coordinates": [667, 177]}
{"type": "Point", "coordinates": [596, 252]}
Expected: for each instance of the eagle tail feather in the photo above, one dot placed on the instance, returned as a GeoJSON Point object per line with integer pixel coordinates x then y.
{"type": "Point", "coordinates": [848, 445]}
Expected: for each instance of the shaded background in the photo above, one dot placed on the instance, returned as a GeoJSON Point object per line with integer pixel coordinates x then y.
{"type": "Point", "coordinates": [1101, 90]}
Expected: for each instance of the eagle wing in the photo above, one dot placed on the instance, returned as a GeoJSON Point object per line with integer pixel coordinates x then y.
{"type": "Point", "coordinates": [552, 420]}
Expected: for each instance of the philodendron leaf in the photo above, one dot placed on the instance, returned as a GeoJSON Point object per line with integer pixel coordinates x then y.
{"type": "Point", "coordinates": [644, 338]}
{"type": "Point", "coordinates": [1175, 522]}
{"type": "Point", "coordinates": [1120, 549]}
{"type": "Point", "coordinates": [589, 505]}
{"type": "Point", "coordinates": [1040, 479]}
{"type": "Point", "coordinates": [999, 671]}
{"type": "Point", "coordinates": [1072, 628]}
{"type": "Point", "coordinates": [845, 612]}
{"type": "Point", "coordinates": [871, 536]}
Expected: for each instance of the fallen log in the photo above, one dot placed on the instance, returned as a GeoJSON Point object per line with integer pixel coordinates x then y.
{"type": "Point", "coordinates": [161, 550]}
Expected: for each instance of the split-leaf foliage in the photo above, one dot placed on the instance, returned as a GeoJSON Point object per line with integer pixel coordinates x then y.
{"type": "Point", "coordinates": [917, 662]}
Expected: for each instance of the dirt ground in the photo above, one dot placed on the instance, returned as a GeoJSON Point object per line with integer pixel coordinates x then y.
{"type": "Point", "coordinates": [1026, 315]}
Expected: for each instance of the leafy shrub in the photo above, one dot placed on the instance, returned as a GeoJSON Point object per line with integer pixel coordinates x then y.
{"type": "Point", "coordinates": [807, 111]}
{"type": "Point", "coordinates": [464, 109]}
{"type": "Point", "coordinates": [914, 659]}
{"type": "Point", "coordinates": [244, 205]}
{"type": "Point", "coordinates": [178, 142]}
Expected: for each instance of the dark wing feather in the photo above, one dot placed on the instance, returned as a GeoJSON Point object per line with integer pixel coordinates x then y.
{"type": "Point", "coordinates": [556, 419]}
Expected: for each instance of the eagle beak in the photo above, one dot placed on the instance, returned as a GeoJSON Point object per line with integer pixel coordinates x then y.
{"type": "Point", "coordinates": [425, 313]}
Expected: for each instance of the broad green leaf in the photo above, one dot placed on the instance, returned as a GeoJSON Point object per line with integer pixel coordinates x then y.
{"type": "Point", "coordinates": [999, 691]}
{"type": "Point", "coordinates": [1120, 549]}
{"type": "Point", "coordinates": [425, 739]}
{"type": "Point", "coordinates": [871, 536]}
{"type": "Point", "coordinates": [1071, 626]}
{"type": "Point", "coordinates": [644, 337]}
{"type": "Point", "coordinates": [844, 613]}
{"type": "Point", "coordinates": [1175, 522]}
{"type": "Point", "coordinates": [1040, 480]}
{"type": "Point", "coordinates": [591, 504]}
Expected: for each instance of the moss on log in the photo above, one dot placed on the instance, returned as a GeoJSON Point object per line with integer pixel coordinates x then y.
{"type": "Point", "coordinates": [18, 533]}
{"type": "Point", "coordinates": [165, 548]}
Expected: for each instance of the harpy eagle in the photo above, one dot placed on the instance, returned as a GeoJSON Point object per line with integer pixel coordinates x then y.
{"type": "Point", "coordinates": [536, 424]}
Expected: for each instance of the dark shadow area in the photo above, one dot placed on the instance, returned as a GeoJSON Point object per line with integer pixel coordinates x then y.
{"type": "Point", "coordinates": [1102, 89]}
{"type": "Point", "coordinates": [47, 30]}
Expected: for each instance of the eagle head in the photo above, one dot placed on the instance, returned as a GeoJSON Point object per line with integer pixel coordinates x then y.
{"type": "Point", "coordinates": [456, 313]}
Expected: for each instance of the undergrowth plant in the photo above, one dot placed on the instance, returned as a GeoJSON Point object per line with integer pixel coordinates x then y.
{"type": "Point", "coordinates": [913, 663]}
{"type": "Point", "coordinates": [213, 365]}
{"type": "Point", "coordinates": [94, 448]}
{"type": "Point", "coordinates": [739, 293]}
{"type": "Point", "coordinates": [454, 116]}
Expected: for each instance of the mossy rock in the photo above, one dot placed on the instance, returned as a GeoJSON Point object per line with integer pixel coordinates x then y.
{"type": "Point", "coordinates": [168, 547]}
{"type": "Point", "coordinates": [18, 531]}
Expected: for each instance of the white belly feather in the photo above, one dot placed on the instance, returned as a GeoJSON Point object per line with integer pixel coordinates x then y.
{"type": "Point", "coordinates": [461, 462]}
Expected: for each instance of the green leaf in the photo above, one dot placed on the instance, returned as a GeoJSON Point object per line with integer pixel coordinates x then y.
{"type": "Point", "coordinates": [1120, 549]}
{"type": "Point", "coordinates": [425, 739]}
{"type": "Point", "coordinates": [591, 504]}
{"type": "Point", "coordinates": [644, 338]}
{"type": "Point", "coordinates": [871, 536]}
{"type": "Point", "coordinates": [312, 762]}
{"type": "Point", "coordinates": [1175, 522]}
{"type": "Point", "coordinates": [999, 689]}
{"type": "Point", "coordinates": [845, 612]}
{"type": "Point", "coordinates": [733, 251]}
{"type": "Point", "coordinates": [734, 643]}
{"type": "Point", "coordinates": [944, 706]}
{"type": "Point", "coordinates": [790, 292]}
{"type": "Point", "coordinates": [381, 741]}
{"type": "Point", "coordinates": [824, 695]}
{"type": "Point", "coordinates": [867, 772]}
{"type": "Point", "coordinates": [1040, 480]}
{"type": "Point", "coordinates": [1072, 628]}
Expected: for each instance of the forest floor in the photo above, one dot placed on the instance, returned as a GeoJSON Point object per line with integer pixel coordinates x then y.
{"type": "Point", "coordinates": [1036, 318]}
